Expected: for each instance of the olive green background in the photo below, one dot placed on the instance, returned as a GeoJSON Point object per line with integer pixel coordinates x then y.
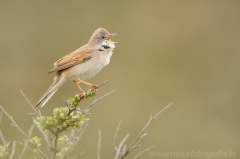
{"type": "Point", "coordinates": [181, 51]}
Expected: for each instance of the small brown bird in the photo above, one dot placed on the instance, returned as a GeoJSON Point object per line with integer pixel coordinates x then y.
{"type": "Point", "coordinates": [82, 63]}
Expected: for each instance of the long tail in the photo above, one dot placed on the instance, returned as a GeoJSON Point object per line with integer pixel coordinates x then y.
{"type": "Point", "coordinates": [58, 82]}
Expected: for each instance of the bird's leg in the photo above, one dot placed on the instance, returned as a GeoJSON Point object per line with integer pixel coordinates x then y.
{"type": "Point", "coordinates": [79, 89]}
{"type": "Point", "coordinates": [92, 85]}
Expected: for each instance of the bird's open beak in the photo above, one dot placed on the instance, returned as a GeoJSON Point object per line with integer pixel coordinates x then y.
{"type": "Point", "coordinates": [110, 36]}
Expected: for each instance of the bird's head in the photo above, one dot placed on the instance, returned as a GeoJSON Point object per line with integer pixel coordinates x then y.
{"type": "Point", "coordinates": [99, 36]}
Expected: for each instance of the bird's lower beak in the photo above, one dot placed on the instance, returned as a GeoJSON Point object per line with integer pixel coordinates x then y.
{"type": "Point", "coordinates": [110, 38]}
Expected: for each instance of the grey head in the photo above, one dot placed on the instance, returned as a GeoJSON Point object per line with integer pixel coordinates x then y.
{"type": "Point", "coordinates": [100, 36]}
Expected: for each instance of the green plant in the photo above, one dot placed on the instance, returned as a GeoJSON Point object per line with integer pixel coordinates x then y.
{"type": "Point", "coordinates": [61, 145]}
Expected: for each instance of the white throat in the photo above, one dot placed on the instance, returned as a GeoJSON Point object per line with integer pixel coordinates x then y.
{"type": "Point", "coordinates": [106, 42]}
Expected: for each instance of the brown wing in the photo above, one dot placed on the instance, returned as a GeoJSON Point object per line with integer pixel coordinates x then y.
{"type": "Point", "coordinates": [72, 60]}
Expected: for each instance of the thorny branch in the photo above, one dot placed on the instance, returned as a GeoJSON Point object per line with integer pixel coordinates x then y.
{"type": "Point", "coordinates": [136, 143]}
{"type": "Point", "coordinates": [79, 155]}
{"type": "Point", "coordinates": [81, 131]}
{"type": "Point", "coordinates": [30, 149]}
{"type": "Point", "coordinates": [15, 124]}
{"type": "Point", "coordinates": [115, 140]}
{"type": "Point", "coordinates": [2, 137]}
{"type": "Point", "coordinates": [85, 111]}
{"type": "Point", "coordinates": [26, 142]}
{"type": "Point", "coordinates": [56, 134]}
{"type": "Point", "coordinates": [143, 152]}
{"type": "Point", "coordinates": [37, 112]}
{"type": "Point", "coordinates": [99, 143]}
{"type": "Point", "coordinates": [120, 151]}
{"type": "Point", "coordinates": [92, 90]}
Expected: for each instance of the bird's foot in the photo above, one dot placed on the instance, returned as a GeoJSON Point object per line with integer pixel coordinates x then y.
{"type": "Point", "coordinates": [81, 96]}
{"type": "Point", "coordinates": [95, 88]}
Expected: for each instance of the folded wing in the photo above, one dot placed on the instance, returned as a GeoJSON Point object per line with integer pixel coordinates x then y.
{"type": "Point", "coordinates": [72, 60]}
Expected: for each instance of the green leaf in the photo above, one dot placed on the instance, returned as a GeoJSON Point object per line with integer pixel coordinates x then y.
{"type": "Point", "coordinates": [57, 112]}
{"type": "Point", "coordinates": [80, 115]}
{"type": "Point", "coordinates": [36, 141]}
{"type": "Point", "coordinates": [3, 152]}
{"type": "Point", "coordinates": [77, 126]}
{"type": "Point", "coordinates": [92, 94]}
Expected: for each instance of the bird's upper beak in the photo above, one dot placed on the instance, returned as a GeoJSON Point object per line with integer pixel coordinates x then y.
{"type": "Point", "coordinates": [109, 37]}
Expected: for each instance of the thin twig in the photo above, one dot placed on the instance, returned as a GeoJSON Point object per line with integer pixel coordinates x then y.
{"type": "Point", "coordinates": [124, 148]}
{"type": "Point", "coordinates": [82, 96]}
{"type": "Point", "coordinates": [38, 113]}
{"type": "Point", "coordinates": [55, 145]}
{"type": "Point", "coordinates": [27, 141]}
{"type": "Point", "coordinates": [24, 149]}
{"type": "Point", "coordinates": [31, 150]}
{"type": "Point", "coordinates": [142, 131]}
{"type": "Point", "coordinates": [46, 138]}
{"type": "Point", "coordinates": [99, 143]}
{"type": "Point", "coordinates": [120, 145]}
{"type": "Point", "coordinates": [31, 113]}
{"type": "Point", "coordinates": [1, 113]}
{"type": "Point", "coordinates": [2, 137]}
{"type": "Point", "coordinates": [138, 144]}
{"type": "Point", "coordinates": [66, 103]}
{"type": "Point", "coordinates": [4, 142]}
{"type": "Point", "coordinates": [70, 139]}
{"type": "Point", "coordinates": [25, 146]}
{"type": "Point", "coordinates": [79, 137]}
{"type": "Point", "coordinates": [13, 149]}
{"type": "Point", "coordinates": [14, 123]}
{"type": "Point", "coordinates": [115, 140]}
{"type": "Point", "coordinates": [41, 152]}
{"type": "Point", "coordinates": [79, 155]}
{"type": "Point", "coordinates": [143, 152]}
{"type": "Point", "coordinates": [86, 110]}
{"type": "Point", "coordinates": [43, 133]}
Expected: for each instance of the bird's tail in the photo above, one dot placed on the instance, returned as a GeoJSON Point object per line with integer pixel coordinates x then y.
{"type": "Point", "coordinates": [58, 82]}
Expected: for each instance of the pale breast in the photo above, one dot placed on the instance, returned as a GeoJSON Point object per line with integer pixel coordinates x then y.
{"type": "Point", "coordinates": [89, 68]}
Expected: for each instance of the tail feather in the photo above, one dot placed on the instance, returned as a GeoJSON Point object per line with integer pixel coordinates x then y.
{"type": "Point", "coordinates": [49, 93]}
{"type": "Point", "coordinates": [46, 98]}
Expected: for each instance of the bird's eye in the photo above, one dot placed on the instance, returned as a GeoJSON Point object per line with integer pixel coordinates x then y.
{"type": "Point", "coordinates": [102, 37]}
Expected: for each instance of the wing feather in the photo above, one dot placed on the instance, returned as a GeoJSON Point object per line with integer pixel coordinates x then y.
{"type": "Point", "coordinates": [72, 60]}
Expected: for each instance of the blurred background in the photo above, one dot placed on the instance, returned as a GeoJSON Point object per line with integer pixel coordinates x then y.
{"type": "Point", "coordinates": [185, 52]}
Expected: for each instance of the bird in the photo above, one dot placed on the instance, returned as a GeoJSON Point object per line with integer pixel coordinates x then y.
{"type": "Point", "coordinates": [81, 64]}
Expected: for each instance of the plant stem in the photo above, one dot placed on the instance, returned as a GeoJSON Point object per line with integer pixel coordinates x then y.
{"type": "Point", "coordinates": [55, 145]}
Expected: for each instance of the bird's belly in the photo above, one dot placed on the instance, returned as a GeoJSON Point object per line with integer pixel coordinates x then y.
{"type": "Point", "coordinates": [87, 69]}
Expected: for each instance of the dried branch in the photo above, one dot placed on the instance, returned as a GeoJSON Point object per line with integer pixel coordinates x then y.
{"type": "Point", "coordinates": [69, 139]}
{"type": "Point", "coordinates": [142, 131]}
{"type": "Point", "coordinates": [79, 155]}
{"type": "Point", "coordinates": [120, 145]}
{"type": "Point", "coordinates": [99, 143]}
{"type": "Point", "coordinates": [96, 100]}
{"type": "Point", "coordinates": [14, 123]}
{"type": "Point", "coordinates": [66, 103]}
{"type": "Point", "coordinates": [41, 152]}
{"type": "Point", "coordinates": [143, 152]}
{"type": "Point", "coordinates": [2, 137]}
{"type": "Point", "coordinates": [37, 112]}
{"type": "Point", "coordinates": [31, 150]}
{"type": "Point", "coordinates": [115, 140]}
{"type": "Point", "coordinates": [1, 113]}
{"type": "Point", "coordinates": [55, 145]}
{"type": "Point", "coordinates": [46, 138]}
{"type": "Point", "coordinates": [13, 149]}
{"type": "Point", "coordinates": [79, 137]}
{"type": "Point", "coordinates": [27, 141]}
{"type": "Point", "coordinates": [92, 90]}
